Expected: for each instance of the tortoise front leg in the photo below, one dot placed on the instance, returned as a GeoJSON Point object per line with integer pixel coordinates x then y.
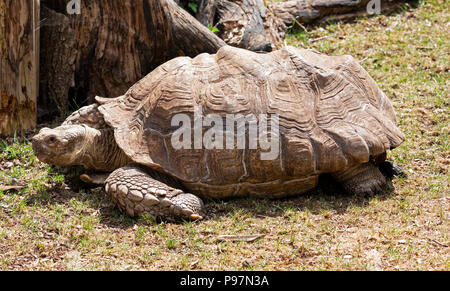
{"type": "Point", "coordinates": [138, 191]}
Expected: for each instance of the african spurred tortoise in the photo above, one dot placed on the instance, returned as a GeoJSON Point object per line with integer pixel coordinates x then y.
{"type": "Point", "coordinates": [332, 118]}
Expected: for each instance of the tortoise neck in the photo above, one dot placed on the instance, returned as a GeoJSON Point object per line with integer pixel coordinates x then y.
{"type": "Point", "coordinates": [102, 152]}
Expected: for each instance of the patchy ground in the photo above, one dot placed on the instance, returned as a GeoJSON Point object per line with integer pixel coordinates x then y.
{"type": "Point", "coordinates": [50, 221]}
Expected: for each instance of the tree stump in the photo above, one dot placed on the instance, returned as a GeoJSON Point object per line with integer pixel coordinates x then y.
{"type": "Point", "coordinates": [19, 65]}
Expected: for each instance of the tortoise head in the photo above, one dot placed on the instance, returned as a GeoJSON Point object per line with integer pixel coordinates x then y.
{"type": "Point", "coordinates": [62, 146]}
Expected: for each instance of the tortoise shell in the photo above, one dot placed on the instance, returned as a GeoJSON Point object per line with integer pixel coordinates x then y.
{"type": "Point", "coordinates": [332, 116]}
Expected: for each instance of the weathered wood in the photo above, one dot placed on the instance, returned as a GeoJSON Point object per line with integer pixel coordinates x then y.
{"type": "Point", "coordinates": [19, 65]}
{"type": "Point", "coordinates": [57, 59]}
{"type": "Point", "coordinates": [240, 22]}
{"type": "Point", "coordinates": [207, 11]}
{"type": "Point", "coordinates": [117, 44]}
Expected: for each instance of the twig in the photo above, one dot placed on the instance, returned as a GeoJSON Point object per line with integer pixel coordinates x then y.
{"type": "Point", "coordinates": [8, 188]}
{"type": "Point", "coordinates": [424, 47]}
{"type": "Point", "coordinates": [363, 60]}
{"type": "Point", "coordinates": [233, 238]}
{"type": "Point", "coordinates": [317, 39]}
{"type": "Point", "coordinates": [301, 25]}
{"type": "Point", "coordinates": [439, 243]}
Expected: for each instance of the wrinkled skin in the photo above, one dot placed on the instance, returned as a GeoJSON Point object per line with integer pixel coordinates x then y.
{"type": "Point", "coordinates": [70, 145]}
{"type": "Point", "coordinates": [61, 146]}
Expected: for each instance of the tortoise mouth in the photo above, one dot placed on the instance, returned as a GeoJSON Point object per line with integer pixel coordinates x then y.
{"type": "Point", "coordinates": [41, 151]}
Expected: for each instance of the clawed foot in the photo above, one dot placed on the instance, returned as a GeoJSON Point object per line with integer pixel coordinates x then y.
{"type": "Point", "coordinates": [136, 192]}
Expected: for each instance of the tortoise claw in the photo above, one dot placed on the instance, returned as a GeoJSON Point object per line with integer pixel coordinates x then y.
{"type": "Point", "coordinates": [196, 217]}
{"type": "Point", "coordinates": [390, 170]}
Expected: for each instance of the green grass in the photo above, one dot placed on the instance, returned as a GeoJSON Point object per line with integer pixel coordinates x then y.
{"type": "Point", "coordinates": [56, 223]}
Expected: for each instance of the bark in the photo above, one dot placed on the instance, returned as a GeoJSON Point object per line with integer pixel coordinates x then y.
{"type": "Point", "coordinates": [19, 52]}
{"type": "Point", "coordinates": [240, 22]}
{"type": "Point", "coordinates": [116, 44]}
{"type": "Point", "coordinates": [207, 11]}
{"type": "Point", "coordinates": [57, 58]}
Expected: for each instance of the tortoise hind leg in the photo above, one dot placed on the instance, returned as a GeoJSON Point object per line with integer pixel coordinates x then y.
{"type": "Point", "coordinates": [140, 191]}
{"type": "Point", "coordinates": [363, 179]}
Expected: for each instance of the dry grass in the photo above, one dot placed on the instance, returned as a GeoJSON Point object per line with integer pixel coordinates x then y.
{"type": "Point", "coordinates": [54, 224]}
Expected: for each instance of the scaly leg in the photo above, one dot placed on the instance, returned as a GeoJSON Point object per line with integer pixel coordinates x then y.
{"type": "Point", "coordinates": [363, 179]}
{"type": "Point", "coordinates": [138, 191]}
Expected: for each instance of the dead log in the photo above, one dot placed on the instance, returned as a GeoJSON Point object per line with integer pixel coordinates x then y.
{"type": "Point", "coordinates": [111, 45]}
{"type": "Point", "coordinates": [262, 24]}
{"type": "Point", "coordinates": [282, 15]}
{"type": "Point", "coordinates": [19, 51]}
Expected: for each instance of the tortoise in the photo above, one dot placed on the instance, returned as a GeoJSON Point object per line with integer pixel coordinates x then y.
{"type": "Point", "coordinates": [332, 119]}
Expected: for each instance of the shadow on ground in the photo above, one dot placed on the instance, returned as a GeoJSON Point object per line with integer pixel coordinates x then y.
{"type": "Point", "coordinates": [328, 196]}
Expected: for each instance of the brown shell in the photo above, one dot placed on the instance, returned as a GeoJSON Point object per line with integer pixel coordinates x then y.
{"type": "Point", "coordinates": [332, 116]}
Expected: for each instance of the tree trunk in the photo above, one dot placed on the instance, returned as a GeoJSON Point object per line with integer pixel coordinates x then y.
{"type": "Point", "coordinates": [19, 51]}
{"type": "Point", "coordinates": [111, 45]}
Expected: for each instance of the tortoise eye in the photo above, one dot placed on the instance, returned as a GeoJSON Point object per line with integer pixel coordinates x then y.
{"type": "Point", "coordinates": [51, 139]}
